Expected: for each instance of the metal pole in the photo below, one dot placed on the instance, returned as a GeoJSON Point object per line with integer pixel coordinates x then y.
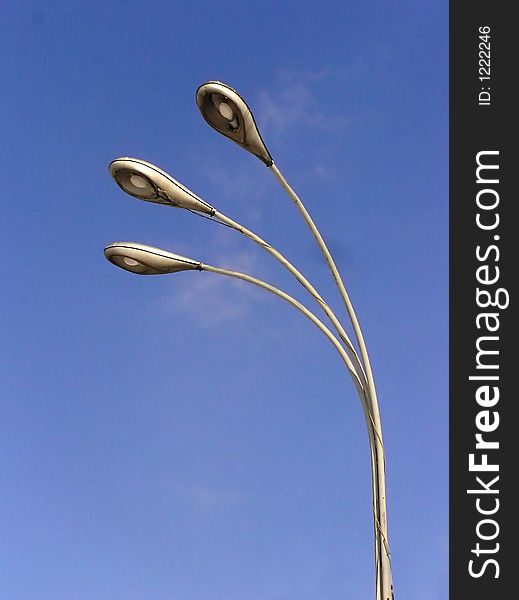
{"type": "Point", "coordinates": [382, 556]}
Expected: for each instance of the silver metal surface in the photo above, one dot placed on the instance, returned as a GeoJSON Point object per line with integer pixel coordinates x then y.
{"type": "Point", "coordinates": [227, 112]}
{"type": "Point", "coordinates": [147, 260]}
{"type": "Point", "coordinates": [146, 181]}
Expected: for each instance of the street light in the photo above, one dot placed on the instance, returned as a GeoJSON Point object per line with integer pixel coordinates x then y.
{"type": "Point", "coordinates": [147, 182]}
{"type": "Point", "coordinates": [226, 112]}
{"type": "Point", "coordinates": [147, 260]}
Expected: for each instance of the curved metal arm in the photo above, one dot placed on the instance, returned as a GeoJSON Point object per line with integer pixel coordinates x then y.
{"type": "Point", "coordinates": [301, 308]}
{"type": "Point", "coordinates": [383, 567]}
{"type": "Point", "coordinates": [304, 282]}
{"type": "Point", "coordinates": [384, 578]}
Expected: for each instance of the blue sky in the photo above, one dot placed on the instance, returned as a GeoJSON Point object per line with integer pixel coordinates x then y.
{"type": "Point", "coordinates": [188, 437]}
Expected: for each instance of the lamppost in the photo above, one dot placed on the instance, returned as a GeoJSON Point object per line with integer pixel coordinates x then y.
{"type": "Point", "coordinates": [226, 112]}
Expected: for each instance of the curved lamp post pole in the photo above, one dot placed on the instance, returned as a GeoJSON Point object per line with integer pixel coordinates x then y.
{"type": "Point", "coordinates": [224, 110]}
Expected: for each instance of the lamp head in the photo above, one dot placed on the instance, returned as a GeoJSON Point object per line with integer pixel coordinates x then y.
{"type": "Point", "coordinates": [147, 182]}
{"type": "Point", "coordinates": [226, 111]}
{"type": "Point", "coordinates": [147, 260]}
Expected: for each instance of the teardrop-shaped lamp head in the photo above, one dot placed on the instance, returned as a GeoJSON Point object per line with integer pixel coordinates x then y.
{"type": "Point", "coordinates": [147, 182]}
{"type": "Point", "coordinates": [147, 260]}
{"type": "Point", "coordinates": [226, 111]}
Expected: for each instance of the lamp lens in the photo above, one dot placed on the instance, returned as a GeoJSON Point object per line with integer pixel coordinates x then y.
{"type": "Point", "coordinates": [130, 261]}
{"type": "Point", "coordinates": [226, 111]}
{"type": "Point", "coordinates": [135, 184]}
{"type": "Point", "coordinates": [139, 182]}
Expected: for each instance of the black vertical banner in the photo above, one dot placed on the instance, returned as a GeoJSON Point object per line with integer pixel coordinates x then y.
{"type": "Point", "coordinates": [484, 362]}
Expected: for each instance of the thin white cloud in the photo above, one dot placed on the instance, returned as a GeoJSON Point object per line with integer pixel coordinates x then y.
{"type": "Point", "coordinates": [213, 300]}
{"type": "Point", "coordinates": [289, 107]}
{"type": "Point", "coordinates": [241, 183]}
{"type": "Point", "coordinates": [295, 103]}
